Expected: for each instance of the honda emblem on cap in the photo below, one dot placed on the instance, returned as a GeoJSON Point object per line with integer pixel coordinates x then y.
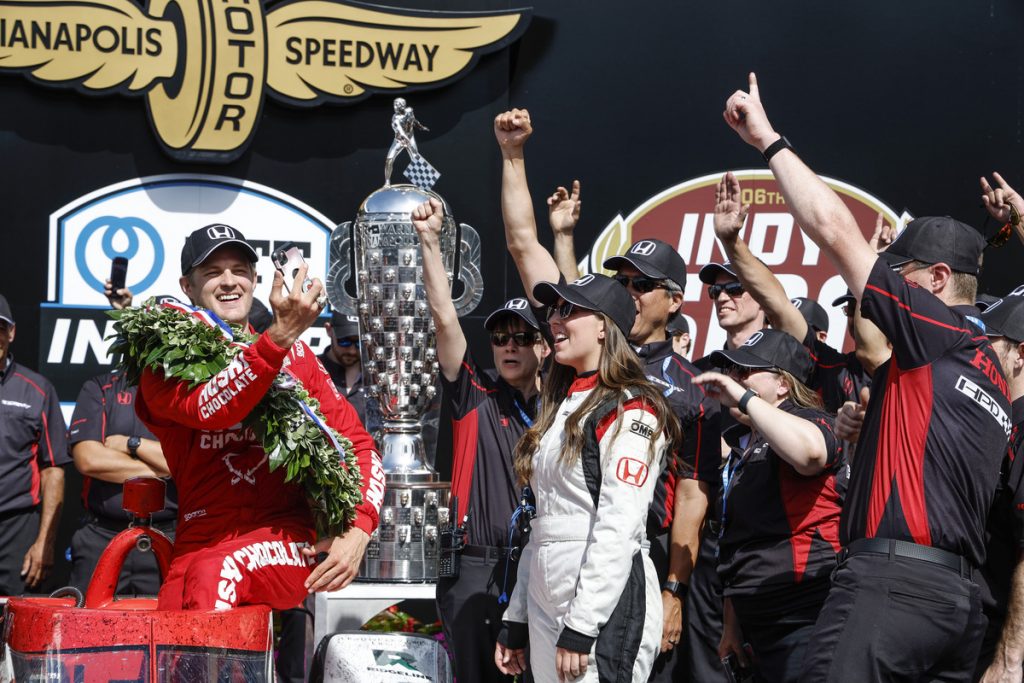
{"type": "Point", "coordinates": [644, 248]}
{"type": "Point", "coordinates": [754, 338]}
{"type": "Point", "coordinates": [220, 232]}
{"type": "Point", "coordinates": [1019, 291]}
{"type": "Point", "coordinates": [517, 304]}
{"type": "Point", "coordinates": [585, 280]}
{"type": "Point", "coordinates": [797, 303]}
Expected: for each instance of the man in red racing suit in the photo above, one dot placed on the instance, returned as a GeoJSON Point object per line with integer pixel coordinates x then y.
{"type": "Point", "coordinates": [244, 535]}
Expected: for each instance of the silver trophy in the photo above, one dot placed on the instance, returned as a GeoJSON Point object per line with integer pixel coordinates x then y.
{"type": "Point", "coordinates": [376, 273]}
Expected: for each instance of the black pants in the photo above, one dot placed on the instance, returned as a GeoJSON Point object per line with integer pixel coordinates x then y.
{"type": "Point", "coordinates": [471, 616]}
{"type": "Point", "coordinates": [778, 627]}
{"type": "Point", "coordinates": [670, 666]}
{"type": "Point", "coordinates": [702, 617]}
{"type": "Point", "coordinates": [896, 619]}
{"type": "Point", "coordinates": [18, 531]}
{"type": "Point", "coordinates": [140, 574]}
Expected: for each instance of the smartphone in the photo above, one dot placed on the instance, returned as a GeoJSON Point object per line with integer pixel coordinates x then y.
{"type": "Point", "coordinates": [118, 273]}
{"type": "Point", "coordinates": [734, 673]}
{"type": "Point", "coordinates": [288, 259]}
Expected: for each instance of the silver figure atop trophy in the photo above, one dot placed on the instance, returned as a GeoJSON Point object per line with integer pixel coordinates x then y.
{"type": "Point", "coordinates": [376, 272]}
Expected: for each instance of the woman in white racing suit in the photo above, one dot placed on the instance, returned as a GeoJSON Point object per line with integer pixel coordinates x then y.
{"type": "Point", "coordinates": [587, 595]}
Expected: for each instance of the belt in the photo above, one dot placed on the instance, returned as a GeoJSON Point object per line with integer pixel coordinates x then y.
{"type": "Point", "coordinates": [487, 552]}
{"type": "Point", "coordinates": [122, 524]}
{"type": "Point", "coordinates": [924, 553]}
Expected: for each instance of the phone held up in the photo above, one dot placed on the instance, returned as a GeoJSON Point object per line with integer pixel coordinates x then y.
{"type": "Point", "coordinates": [288, 260]}
{"type": "Point", "coordinates": [118, 274]}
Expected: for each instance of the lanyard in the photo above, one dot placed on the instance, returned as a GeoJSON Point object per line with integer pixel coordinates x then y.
{"type": "Point", "coordinates": [729, 472]}
{"type": "Point", "coordinates": [522, 412]}
{"type": "Point", "coordinates": [528, 508]}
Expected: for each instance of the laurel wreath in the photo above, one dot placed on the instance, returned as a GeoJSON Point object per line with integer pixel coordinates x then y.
{"type": "Point", "coordinates": [180, 346]}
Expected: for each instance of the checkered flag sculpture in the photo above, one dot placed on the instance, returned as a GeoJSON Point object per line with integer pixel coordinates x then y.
{"type": "Point", "coordinates": [421, 174]}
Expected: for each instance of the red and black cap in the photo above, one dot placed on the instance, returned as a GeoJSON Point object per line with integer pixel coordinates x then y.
{"type": "Point", "coordinates": [769, 349]}
{"type": "Point", "coordinates": [204, 241]}
{"type": "Point", "coordinates": [938, 239]}
{"type": "Point", "coordinates": [519, 307]}
{"type": "Point", "coordinates": [593, 292]}
{"type": "Point", "coordinates": [812, 312]}
{"type": "Point", "coordinates": [653, 258]}
{"type": "Point", "coordinates": [1005, 318]}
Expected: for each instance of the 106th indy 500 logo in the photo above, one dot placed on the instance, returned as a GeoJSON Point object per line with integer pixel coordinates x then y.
{"type": "Point", "coordinates": [203, 65]}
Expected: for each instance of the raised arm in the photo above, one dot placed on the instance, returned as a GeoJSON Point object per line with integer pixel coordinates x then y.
{"type": "Point", "coordinates": [764, 287]}
{"type": "Point", "coordinates": [535, 264]}
{"type": "Point", "coordinates": [563, 215]}
{"type": "Point", "coordinates": [451, 342]}
{"type": "Point", "coordinates": [818, 210]}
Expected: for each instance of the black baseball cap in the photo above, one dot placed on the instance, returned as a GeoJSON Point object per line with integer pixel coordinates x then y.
{"type": "Point", "coordinates": [677, 325]}
{"type": "Point", "coordinates": [983, 301]}
{"type": "Point", "coordinates": [653, 258]}
{"type": "Point", "coordinates": [204, 241]}
{"type": "Point", "coordinates": [769, 349]}
{"type": "Point", "coordinates": [938, 239]}
{"type": "Point", "coordinates": [344, 325]}
{"type": "Point", "coordinates": [710, 272]}
{"type": "Point", "coordinates": [812, 312]}
{"type": "Point", "coordinates": [519, 307]}
{"type": "Point", "coordinates": [594, 292]}
{"type": "Point", "coordinates": [1005, 318]}
{"type": "Point", "coordinates": [847, 298]}
{"type": "Point", "coordinates": [5, 311]}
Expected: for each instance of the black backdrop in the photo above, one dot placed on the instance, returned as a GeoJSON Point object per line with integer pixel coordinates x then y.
{"type": "Point", "coordinates": [912, 100]}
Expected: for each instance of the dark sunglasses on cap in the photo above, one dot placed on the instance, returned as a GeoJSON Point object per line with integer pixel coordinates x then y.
{"type": "Point", "coordinates": [640, 283]}
{"type": "Point", "coordinates": [732, 289]}
{"type": "Point", "coordinates": [518, 338]}
{"type": "Point", "coordinates": [347, 342]}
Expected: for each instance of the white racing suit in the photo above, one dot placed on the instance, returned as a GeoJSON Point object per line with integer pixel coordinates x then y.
{"type": "Point", "coordinates": [585, 581]}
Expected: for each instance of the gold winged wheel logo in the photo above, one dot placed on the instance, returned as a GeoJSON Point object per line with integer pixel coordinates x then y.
{"type": "Point", "coordinates": [203, 65]}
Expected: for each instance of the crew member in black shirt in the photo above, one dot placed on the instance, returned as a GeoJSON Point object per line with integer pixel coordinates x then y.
{"type": "Point", "coordinates": [913, 522]}
{"type": "Point", "coordinates": [780, 516]}
{"type": "Point", "coordinates": [33, 452]}
{"type": "Point", "coordinates": [110, 444]}
{"type": "Point", "coordinates": [490, 411]}
{"type": "Point", "coordinates": [342, 360]}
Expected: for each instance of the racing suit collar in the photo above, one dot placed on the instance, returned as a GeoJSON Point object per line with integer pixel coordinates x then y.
{"type": "Point", "coordinates": [584, 382]}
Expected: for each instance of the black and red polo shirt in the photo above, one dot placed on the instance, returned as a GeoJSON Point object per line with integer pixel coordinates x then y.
{"type": "Point", "coordinates": [936, 427]}
{"type": "Point", "coordinates": [105, 407]}
{"type": "Point", "coordinates": [1005, 529]}
{"type": "Point", "coordinates": [32, 434]}
{"type": "Point", "coordinates": [700, 456]}
{"type": "Point", "coordinates": [780, 528]}
{"type": "Point", "coordinates": [488, 417]}
{"type": "Point", "coordinates": [837, 377]}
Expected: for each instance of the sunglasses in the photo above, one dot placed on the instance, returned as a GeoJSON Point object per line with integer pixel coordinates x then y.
{"type": "Point", "coordinates": [899, 270]}
{"type": "Point", "coordinates": [741, 372]}
{"type": "Point", "coordinates": [520, 339]}
{"type": "Point", "coordinates": [732, 289]}
{"type": "Point", "coordinates": [347, 342]}
{"type": "Point", "coordinates": [565, 310]}
{"type": "Point", "coordinates": [640, 283]}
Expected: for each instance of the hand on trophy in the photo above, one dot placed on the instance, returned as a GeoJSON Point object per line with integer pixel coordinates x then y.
{"type": "Point", "coordinates": [295, 311]}
{"type": "Point", "coordinates": [512, 129]}
{"type": "Point", "coordinates": [427, 218]}
{"type": "Point", "coordinates": [730, 213]}
{"type": "Point", "coordinates": [745, 115]}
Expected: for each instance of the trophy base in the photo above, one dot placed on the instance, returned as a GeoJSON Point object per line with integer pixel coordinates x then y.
{"type": "Point", "coordinates": [406, 545]}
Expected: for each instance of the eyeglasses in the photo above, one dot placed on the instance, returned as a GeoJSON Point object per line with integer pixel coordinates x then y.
{"type": "Point", "coordinates": [347, 342]}
{"type": "Point", "coordinates": [1004, 233]}
{"type": "Point", "coordinates": [640, 283]}
{"type": "Point", "coordinates": [741, 372]}
{"type": "Point", "coordinates": [732, 289]}
{"type": "Point", "coordinates": [564, 309]}
{"type": "Point", "coordinates": [899, 270]}
{"type": "Point", "coordinates": [520, 339]}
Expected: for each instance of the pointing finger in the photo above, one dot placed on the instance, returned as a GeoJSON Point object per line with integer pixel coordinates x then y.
{"type": "Point", "coordinates": [753, 86]}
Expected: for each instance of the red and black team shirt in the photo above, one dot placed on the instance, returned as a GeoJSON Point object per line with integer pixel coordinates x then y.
{"type": "Point", "coordinates": [837, 377]}
{"type": "Point", "coordinates": [936, 427]}
{"type": "Point", "coordinates": [488, 417]}
{"type": "Point", "coordinates": [32, 435]}
{"type": "Point", "coordinates": [1005, 530]}
{"type": "Point", "coordinates": [700, 455]}
{"type": "Point", "coordinates": [780, 528]}
{"type": "Point", "coordinates": [106, 407]}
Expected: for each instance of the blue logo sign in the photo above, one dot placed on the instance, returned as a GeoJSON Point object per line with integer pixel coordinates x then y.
{"type": "Point", "coordinates": [129, 227]}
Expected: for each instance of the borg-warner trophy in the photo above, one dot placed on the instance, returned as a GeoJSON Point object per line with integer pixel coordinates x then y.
{"type": "Point", "coordinates": [376, 273]}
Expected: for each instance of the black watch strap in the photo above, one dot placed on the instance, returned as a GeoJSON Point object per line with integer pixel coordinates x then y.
{"type": "Point", "coordinates": [133, 446]}
{"type": "Point", "coordinates": [776, 147]}
{"type": "Point", "coordinates": [745, 399]}
{"type": "Point", "coordinates": [676, 588]}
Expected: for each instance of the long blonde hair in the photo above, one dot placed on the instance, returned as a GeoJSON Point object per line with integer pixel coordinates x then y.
{"type": "Point", "coordinates": [620, 376]}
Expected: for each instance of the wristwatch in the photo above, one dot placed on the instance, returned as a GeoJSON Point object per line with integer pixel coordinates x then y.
{"type": "Point", "coordinates": [133, 446]}
{"type": "Point", "coordinates": [745, 399]}
{"type": "Point", "coordinates": [676, 588]}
